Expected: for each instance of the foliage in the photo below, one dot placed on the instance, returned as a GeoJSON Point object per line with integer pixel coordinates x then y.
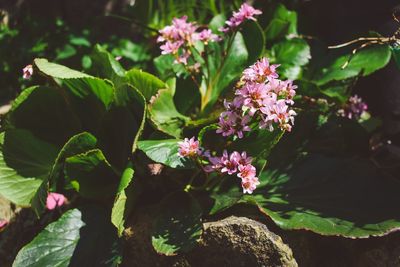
{"type": "Point", "coordinates": [93, 135]}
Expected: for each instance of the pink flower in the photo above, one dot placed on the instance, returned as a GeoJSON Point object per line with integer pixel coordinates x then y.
{"type": "Point", "coordinates": [230, 163]}
{"type": "Point", "coordinates": [27, 72]}
{"type": "Point", "coordinates": [242, 126]}
{"type": "Point", "coordinates": [189, 148]}
{"type": "Point", "coordinates": [170, 47]}
{"type": "Point", "coordinates": [260, 71]}
{"type": "Point", "coordinates": [252, 95]}
{"type": "Point", "coordinates": [246, 171]}
{"type": "Point", "coordinates": [245, 12]}
{"type": "Point", "coordinates": [279, 113]}
{"type": "Point", "coordinates": [3, 223]}
{"type": "Point", "coordinates": [225, 125]}
{"type": "Point", "coordinates": [249, 184]}
{"type": "Point", "coordinates": [55, 200]}
{"type": "Point", "coordinates": [244, 159]}
{"type": "Point", "coordinates": [207, 36]}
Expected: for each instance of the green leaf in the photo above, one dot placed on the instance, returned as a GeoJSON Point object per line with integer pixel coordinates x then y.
{"type": "Point", "coordinates": [164, 115]}
{"type": "Point", "coordinates": [24, 162]}
{"type": "Point", "coordinates": [77, 144]}
{"type": "Point", "coordinates": [106, 66]}
{"type": "Point", "coordinates": [57, 71]}
{"type": "Point", "coordinates": [223, 76]}
{"type": "Point", "coordinates": [364, 62]}
{"type": "Point", "coordinates": [81, 237]}
{"type": "Point", "coordinates": [177, 228]}
{"type": "Point", "coordinates": [260, 142]}
{"type": "Point", "coordinates": [55, 245]}
{"type": "Point", "coordinates": [136, 52]}
{"type": "Point", "coordinates": [145, 82]}
{"type": "Point", "coordinates": [120, 210]}
{"type": "Point", "coordinates": [331, 196]}
{"type": "Point", "coordinates": [295, 52]}
{"type": "Point", "coordinates": [91, 174]}
{"type": "Point", "coordinates": [283, 23]}
{"type": "Point", "coordinates": [66, 52]}
{"type": "Point", "coordinates": [44, 112]}
{"type": "Point", "coordinates": [123, 125]}
{"type": "Point", "coordinates": [165, 152]}
{"type": "Point", "coordinates": [79, 41]}
{"type": "Point", "coordinates": [166, 68]}
{"type": "Point", "coordinates": [91, 99]}
{"type": "Point", "coordinates": [254, 39]}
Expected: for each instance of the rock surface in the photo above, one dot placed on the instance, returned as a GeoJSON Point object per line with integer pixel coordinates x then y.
{"type": "Point", "coordinates": [233, 241]}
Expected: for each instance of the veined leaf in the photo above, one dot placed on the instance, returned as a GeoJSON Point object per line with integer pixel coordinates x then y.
{"type": "Point", "coordinates": [57, 71]}
{"type": "Point", "coordinates": [165, 152]}
{"type": "Point", "coordinates": [55, 245]}
{"type": "Point", "coordinates": [164, 115]}
{"type": "Point", "coordinates": [146, 83]}
{"type": "Point", "coordinates": [80, 237]}
{"type": "Point", "coordinates": [24, 162]}
{"type": "Point", "coordinates": [364, 62]}
{"type": "Point", "coordinates": [121, 207]}
{"type": "Point", "coordinates": [104, 65]}
{"type": "Point", "coordinates": [45, 113]}
{"type": "Point", "coordinates": [91, 174]}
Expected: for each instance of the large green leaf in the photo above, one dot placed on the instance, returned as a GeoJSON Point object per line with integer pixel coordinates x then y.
{"type": "Point", "coordinates": [123, 125]}
{"type": "Point", "coordinates": [57, 71]}
{"type": "Point", "coordinates": [223, 72]}
{"type": "Point", "coordinates": [177, 228]}
{"type": "Point", "coordinates": [106, 66]}
{"type": "Point", "coordinates": [120, 210]}
{"type": "Point", "coordinates": [44, 112]}
{"type": "Point", "coordinates": [332, 196]}
{"type": "Point", "coordinates": [283, 23]}
{"type": "Point", "coordinates": [260, 142]}
{"type": "Point", "coordinates": [91, 174]}
{"type": "Point", "coordinates": [81, 237]}
{"type": "Point", "coordinates": [291, 54]}
{"type": "Point", "coordinates": [55, 245]}
{"type": "Point", "coordinates": [165, 152]}
{"type": "Point", "coordinates": [364, 62]}
{"type": "Point", "coordinates": [146, 83]}
{"type": "Point", "coordinates": [254, 39]}
{"type": "Point", "coordinates": [164, 115]}
{"type": "Point", "coordinates": [89, 96]}
{"type": "Point", "coordinates": [24, 162]}
{"type": "Point", "coordinates": [77, 144]}
{"type": "Point", "coordinates": [322, 180]}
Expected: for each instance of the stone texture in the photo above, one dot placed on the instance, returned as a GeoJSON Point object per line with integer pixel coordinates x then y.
{"type": "Point", "coordinates": [233, 241]}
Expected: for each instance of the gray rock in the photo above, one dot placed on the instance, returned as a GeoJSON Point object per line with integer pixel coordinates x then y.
{"type": "Point", "coordinates": [233, 241]}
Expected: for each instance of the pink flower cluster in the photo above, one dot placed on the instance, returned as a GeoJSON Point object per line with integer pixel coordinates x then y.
{"type": "Point", "coordinates": [354, 108]}
{"type": "Point", "coordinates": [261, 98]}
{"type": "Point", "coordinates": [180, 36]}
{"type": "Point", "coordinates": [235, 163]}
{"type": "Point", "coordinates": [245, 12]}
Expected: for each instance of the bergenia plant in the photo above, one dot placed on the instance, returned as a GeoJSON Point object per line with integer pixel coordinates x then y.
{"type": "Point", "coordinates": [214, 127]}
